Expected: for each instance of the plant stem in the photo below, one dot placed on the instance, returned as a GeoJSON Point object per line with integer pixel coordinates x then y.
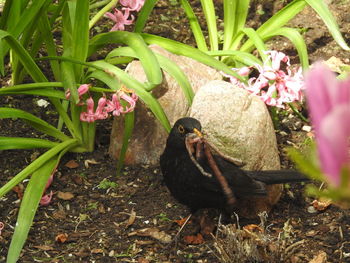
{"type": "Point", "coordinates": [100, 13]}
{"type": "Point", "coordinates": [98, 4]}
{"type": "Point", "coordinates": [301, 116]}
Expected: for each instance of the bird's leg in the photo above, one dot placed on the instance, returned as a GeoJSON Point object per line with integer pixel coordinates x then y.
{"type": "Point", "coordinates": [221, 179]}
{"type": "Point", "coordinates": [189, 141]}
{"type": "Point", "coordinates": [236, 161]}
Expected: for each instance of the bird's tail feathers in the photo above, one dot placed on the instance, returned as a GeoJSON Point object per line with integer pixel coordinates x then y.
{"type": "Point", "coordinates": [278, 176]}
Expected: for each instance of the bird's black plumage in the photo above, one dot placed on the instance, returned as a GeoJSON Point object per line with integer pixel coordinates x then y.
{"type": "Point", "coordinates": [191, 188]}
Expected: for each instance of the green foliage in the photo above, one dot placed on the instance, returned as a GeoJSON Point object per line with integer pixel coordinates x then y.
{"type": "Point", "coordinates": [107, 184]}
{"type": "Point", "coordinates": [237, 37]}
{"type": "Point", "coordinates": [25, 29]}
{"type": "Point", "coordinates": [307, 163]}
{"type": "Point", "coordinates": [26, 33]}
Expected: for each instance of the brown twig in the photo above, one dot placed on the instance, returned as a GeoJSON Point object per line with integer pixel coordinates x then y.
{"type": "Point", "coordinates": [189, 141]}
{"type": "Point", "coordinates": [221, 179]}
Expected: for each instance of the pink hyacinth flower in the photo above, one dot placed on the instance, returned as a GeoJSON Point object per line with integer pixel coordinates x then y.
{"type": "Point", "coordinates": [134, 5]}
{"type": "Point", "coordinates": [274, 85]}
{"type": "Point", "coordinates": [89, 115]}
{"type": "Point", "coordinates": [117, 106]}
{"type": "Point", "coordinates": [81, 90]}
{"type": "Point", "coordinates": [130, 99]}
{"type": "Point", "coordinates": [276, 59]}
{"type": "Point", "coordinates": [120, 19]}
{"type": "Point", "coordinates": [329, 104]}
{"type": "Point", "coordinates": [101, 112]}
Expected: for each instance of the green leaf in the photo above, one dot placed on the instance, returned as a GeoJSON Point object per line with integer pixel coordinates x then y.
{"type": "Point", "coordinates": [29, 205]}
{"type": "Point", "coordinates": [8, 143]}
{"type": "Point", "coordinates": [26, 60]}
{"type": "Point", "coordinates": [209, 13]}
{"type": "Point", "coordinates": [5, 13]}
{"type": "Point", "coordinates": [80, 38]}
{"type": "Point", "coordinates": [35, 165]}
{"type": "Point", "coordinates": [46, 34]}
{"type": "Point", "coordinates": [322, 10]}
{"type": "Point", "coordinates": [131, 83]}
{"type": "Point", "coordinates": [188, 51]}
{"type": "Point", "coordinates": [240, 56]}
{"type": "Point", "coordinates": [277, 21]}
{"type": "Point", "coordinates": [129, 121]}
{"type": "Point", "coordinates": [294, 36]}
{"type": "Point", "coordinates": [241, 14]}
{"type": "Point", "coordinates": [30, 86]}
{"type": "Point", "coordinates": [33, 121]}
{"type": "Point", "coordinates": [146, 56]}
{"type": "Point", "coordinates": [17, 22]}
{"type": "Point", "coordinates": [143, 15]}
{"type": "Point", "coordinates": [165, 63]}
{"type": "Point", "coordinates": [195, 27]}
{"type": "Point", "coordinates": [230, 17]}
{"type": "Point", "coordinates": [258, 42]}
{"type": "Point", "coordinates": [50, 93]}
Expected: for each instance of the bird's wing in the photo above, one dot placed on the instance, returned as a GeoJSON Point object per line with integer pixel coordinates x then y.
{"type": "Point", "coordinates": [240, 182]}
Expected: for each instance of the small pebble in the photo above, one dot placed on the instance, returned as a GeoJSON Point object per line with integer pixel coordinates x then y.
{"type": "Point", "coordinates": [306, 128]}
{"type": "Point", "coordinates": [311, 210]}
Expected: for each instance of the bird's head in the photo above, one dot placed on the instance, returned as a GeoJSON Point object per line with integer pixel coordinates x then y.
{"type": "Point", "coordinates": [183, 128]}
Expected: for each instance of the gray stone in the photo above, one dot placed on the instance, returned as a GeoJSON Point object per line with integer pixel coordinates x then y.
{"type": "Point", "coordinates": [239, 124]}
{"type": "Point", "coordinates": [148, 139]}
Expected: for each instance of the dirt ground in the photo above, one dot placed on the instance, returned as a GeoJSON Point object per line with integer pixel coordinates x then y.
{"type": "Point", "coordinates": [96, 216]}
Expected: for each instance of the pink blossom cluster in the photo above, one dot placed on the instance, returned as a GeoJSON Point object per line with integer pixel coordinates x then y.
{"type": "Point", "coordinates": [104, 105]}
{"type": "Point", "coordinates": [274, 85]}
{"type": "Point", "coordinates": [123, 17]}
{"type": "Point", "coordinates": [329, 104]}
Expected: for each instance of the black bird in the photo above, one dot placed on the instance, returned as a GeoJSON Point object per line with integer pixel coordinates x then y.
{"type": "Point", "coordinates": [185, 176]}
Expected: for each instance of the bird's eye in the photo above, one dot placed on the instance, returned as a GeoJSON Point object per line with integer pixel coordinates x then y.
{"type": "Point", "coordinates": [181, 129]}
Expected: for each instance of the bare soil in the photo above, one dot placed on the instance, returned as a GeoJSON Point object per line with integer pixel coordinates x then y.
{"type": "Point", "coordinates": [130, 220]}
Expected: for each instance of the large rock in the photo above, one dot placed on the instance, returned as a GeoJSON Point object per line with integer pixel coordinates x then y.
{"type": "Point", "coordinates": [148, 139]}
{"type": "Point", "coordinates": [239, 124]}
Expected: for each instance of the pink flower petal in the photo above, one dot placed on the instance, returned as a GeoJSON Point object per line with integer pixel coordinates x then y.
{"type": "Point", "coordinates": [89, 115]}
{"type": "Point", "coordinates": [334, 141]}
{"type": "Point", "coordinates": [46, 199]}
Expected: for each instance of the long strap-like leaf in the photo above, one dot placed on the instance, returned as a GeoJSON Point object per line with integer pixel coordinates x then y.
{"type": "Point", "coordinates": [133, 40]}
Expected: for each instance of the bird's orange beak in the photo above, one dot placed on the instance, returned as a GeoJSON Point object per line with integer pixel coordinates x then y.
{"type": "Point", "coordinates": [198, 133]}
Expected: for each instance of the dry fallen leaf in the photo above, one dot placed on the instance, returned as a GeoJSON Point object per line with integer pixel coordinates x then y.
{"type": "Point", "coordinates": [44, 247]}
{"type": "Point", "coordinates": [131, 219]}
{"type": "Point", "coordinates": [72, 164]}
{"type": "Point", "coordinates": [194, 240]}
{"type": "Point", "coordinates": [59, 214]}
{"type": "Point", "coordinates": [19, 189]}
{"type": "Point", "coordinates": [88, 162]}
{"type": "Point", "coordinates": [322, 204]}
{"type": "Point", "coordinates": [65, 195]}
{"type": "Point", "coordinates": [61, 238]}
{"type": "Point", "coordinates": [320, 258]}
{"type": "Point", "coordinates": [154, 233]}
{"type": "Point", "coordinates": [142, 260]}
{"type": "Point", "coordinates": [182, 221]}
